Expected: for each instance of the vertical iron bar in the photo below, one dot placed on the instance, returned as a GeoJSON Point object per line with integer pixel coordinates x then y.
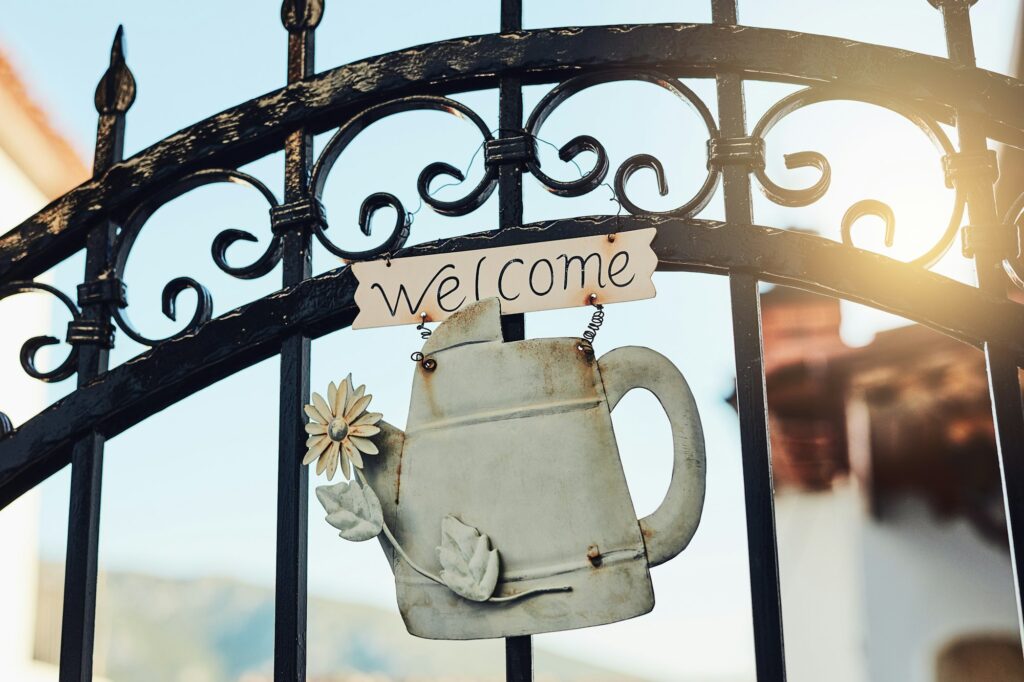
{"type": "Point", "coordinates": [510, 122]}
{"type": "Point", "coordinates": [758, 492]}
{"type": "Point", "coordinates": [518, 650]}
{"type": "Point", "coordinates": [519, 659]}
{"type": "Point", "coordinates": [114, 96]}
{"type": "Point", "coordinates": [762, 549]}
{"type": "Point", "coordinates": [300, 18]}
{"type": "Point", "coordinates": [1004, 384]}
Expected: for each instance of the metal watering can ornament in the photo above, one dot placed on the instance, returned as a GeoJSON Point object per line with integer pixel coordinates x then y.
{"type": "Point", "coordinates": [503, 507]}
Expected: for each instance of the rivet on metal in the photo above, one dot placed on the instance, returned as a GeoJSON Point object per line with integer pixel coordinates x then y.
{"type": "Point", "coordinates": [422, 326]}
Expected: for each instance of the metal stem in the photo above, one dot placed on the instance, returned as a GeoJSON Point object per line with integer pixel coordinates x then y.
{"type": "Point", "coordinates": [437, 579]}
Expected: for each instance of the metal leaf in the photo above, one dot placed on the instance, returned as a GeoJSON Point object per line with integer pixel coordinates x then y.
{"type": "Point", "coordinates": [353, 509]}
{"type": "Point", "coordinates": [468, 564]}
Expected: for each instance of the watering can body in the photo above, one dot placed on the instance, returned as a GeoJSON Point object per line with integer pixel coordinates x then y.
{"type": "Point", "coordinates": [515, 439]}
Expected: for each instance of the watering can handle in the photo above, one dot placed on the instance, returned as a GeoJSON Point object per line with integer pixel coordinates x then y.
{"type": "Point", "coordinates": [670, 527]}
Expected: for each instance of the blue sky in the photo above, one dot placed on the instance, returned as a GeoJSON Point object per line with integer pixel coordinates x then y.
{"type": "Point", "coordinates": [191, 491]}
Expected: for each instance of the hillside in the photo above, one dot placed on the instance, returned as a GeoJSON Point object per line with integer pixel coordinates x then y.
{"type": "Point", "coordinates": [221, 630]}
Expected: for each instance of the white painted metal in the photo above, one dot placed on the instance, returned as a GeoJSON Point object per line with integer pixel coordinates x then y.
{"type": "Point", "coordinates": [515, 440]}
{"type": "Point", "coordinates": [526, 277]}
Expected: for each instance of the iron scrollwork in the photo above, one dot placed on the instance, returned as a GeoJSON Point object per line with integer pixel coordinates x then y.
{"type": "Point", "coordinates": [32, 346]}
{"type": "Point", "coordinates": [400, 231]}
{"type": "Point", "coordinates": [204, 302]}
{"type": "Point", "coordinates": [810, 159]}
{"type": "Point", "coordinates": [521, 149]}
{"type": "Point", "coordinates": [595, 176]}
{"type": "Point", "coordinates": [1013, 262]}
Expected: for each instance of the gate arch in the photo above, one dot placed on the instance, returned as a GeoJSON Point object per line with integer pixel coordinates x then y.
{"type": "Point", "coordinates": [103, 215]}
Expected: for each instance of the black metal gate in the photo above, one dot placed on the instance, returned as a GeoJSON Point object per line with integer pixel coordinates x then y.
{"type": "Point", "coordinates": [104, 216]}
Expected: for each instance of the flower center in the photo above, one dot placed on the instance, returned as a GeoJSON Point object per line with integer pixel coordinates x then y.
{"type": "Point", "coordinates": [337, 430]}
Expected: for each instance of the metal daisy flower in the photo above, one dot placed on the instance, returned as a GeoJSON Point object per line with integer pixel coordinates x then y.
{"type": "Point", "coordinates": [340, 429]}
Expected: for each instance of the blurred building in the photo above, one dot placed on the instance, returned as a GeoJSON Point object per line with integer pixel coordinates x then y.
{"type": "Point", "coordinates": [36, 165]}
{"type": "Point", "coordinates": [892, 536]}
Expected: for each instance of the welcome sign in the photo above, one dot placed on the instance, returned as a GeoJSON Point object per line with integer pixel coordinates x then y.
{"type": "Point", "coordinates": [526, 278]}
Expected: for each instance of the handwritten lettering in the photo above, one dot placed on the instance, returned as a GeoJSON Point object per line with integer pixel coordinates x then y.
{"type": "Point", "coordinates": [583, 268]}
{"type": "Point", "coordinates": [501, 280]}
{"type": "Point", "coordinates": [403, 293]}
{"type": "Point", "coordinates": [527, 277]}
{"type": "Point", "coordinates": [613, 272]}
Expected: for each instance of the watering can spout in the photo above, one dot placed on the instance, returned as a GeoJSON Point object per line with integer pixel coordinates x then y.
{"type": "Point", "coordinates": [477, 323]}
{"type": "Point", "coordinates": [383, 473]}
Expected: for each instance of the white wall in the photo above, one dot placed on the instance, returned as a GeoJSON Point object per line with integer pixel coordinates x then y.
{"type": "Point", "coordinates": [20, 397]}
{"type": "Point", "coordinates": [865, 599]}
{"type": "Point", "coordinates": [929, 581]}
{"type": "Point", "coordinates": [822, 584]}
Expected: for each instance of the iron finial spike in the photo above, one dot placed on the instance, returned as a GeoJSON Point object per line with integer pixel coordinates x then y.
{"type": "Point", "coordinates": [301, 15]}
{"type": "Point", "coordinates": [115, 92]}
{"type": "Point", "coordinates": [117, 47]}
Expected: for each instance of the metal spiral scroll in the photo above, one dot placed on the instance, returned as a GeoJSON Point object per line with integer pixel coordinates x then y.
{"type": "Point", "coordinates": [400, 232]}
{"type": "Point", "coordinates": [422, 328]}
{"type": "Point", "coordinates": [810, 159]}
{"type": "Point", "coordinates": [32, 346]}
{"type": "Point", "coordinates": [1013, 265]}
{"type": "Point", "coordinates": [594, 177]}
{"type": "Point", "coordinates": [204, 302]}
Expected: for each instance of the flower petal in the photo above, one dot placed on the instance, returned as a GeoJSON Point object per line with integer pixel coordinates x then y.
{"type": "Point", "coordinates": [364, 445]}
{"type": "Point", "coordinates": [346, 467]}
{"type": "Point", "coordinates": [353, 453]}
{"type": "Point", "coordinates": [321, 463]}
{"type": "Point", "coordinates": [340, 400]}
{"type": "Point", "coordinates": [364, 430]}
{"type": "Point", "coordinates": [354, 397]}
{"type": "Point", "coordinates": [312, 439]}
{"type": "Point", "coordinates": [368, 418]}
{"type": "Point", "coordinates": [357, 408]}
{"type": "Point", "coordinates": [332, 393]}
{"type": "Point", "coordinates": [313, 414]}
{"type": "Point", "coordinates": [321, 405]}
{"type": "Point", "coordinates": [316, 449]}
{"type": "Point", "coordinates": [332, 463]}
{"type": "Point", "coordinates": [315, 428]}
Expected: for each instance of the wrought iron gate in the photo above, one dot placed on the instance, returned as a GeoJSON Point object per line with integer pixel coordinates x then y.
{"type": "Point", "coordinates": [104, 216]}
